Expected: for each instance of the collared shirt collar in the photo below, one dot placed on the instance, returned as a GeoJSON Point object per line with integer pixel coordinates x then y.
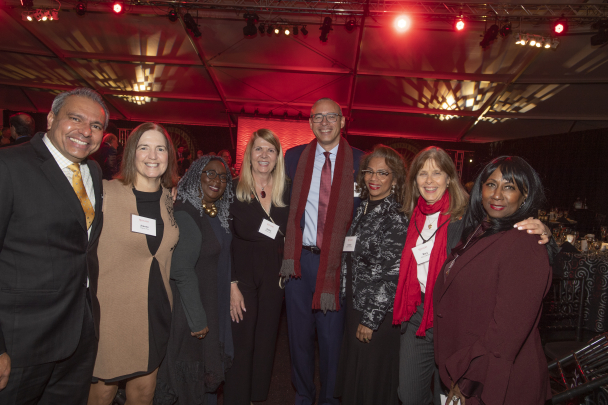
{"type": "Point", "coordinates": [62, 161]}
{"type": "Point", "coordinates": [320, 149]}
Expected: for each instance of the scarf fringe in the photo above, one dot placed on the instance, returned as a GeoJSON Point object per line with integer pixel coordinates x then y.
{"type": "Point", "coordinates": [327, 302]}
{"type": "Point", "coordinates": [287, 268]}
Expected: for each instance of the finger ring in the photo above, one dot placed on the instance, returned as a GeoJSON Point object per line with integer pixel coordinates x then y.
{"type": "Point", "coordinates": [544, 233]}
{"type": "Point", "coordinates": [454, 398]}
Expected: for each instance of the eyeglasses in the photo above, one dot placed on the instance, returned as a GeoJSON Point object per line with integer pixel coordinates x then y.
{"type": "Point", "coordinates": [331, 117]}
{"type": "Point", "coordinates": [380, 173]}
{"type": "Point", "coordinates": [212, 174]}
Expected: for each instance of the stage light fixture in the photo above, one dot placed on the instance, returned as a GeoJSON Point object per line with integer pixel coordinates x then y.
{"type": "Point", "coordinates": [505, 29]}
{"type": "Point", "coordinates": [262, 28]}
{"type": "Point", "coordinates": [26, 16]}
{"type": "Point", "coordinates": [250, 30]}
{"type": "Point", "coordinates": [520, 39]}
{"type": "Point", "coordinates": [304, 30]}
{"type": "Point", "coordinates": [350, 25]}
{"type": "Point", "coordinates": [554, 43]}
{"type": "Point", "coordinates": [295, 30]}
{"type": "Point", "coordinates": [192, 25]}
{"type": "Point", "coordinates": [602, 33]}
{"type": "Point", "coordinates": [270, 29]}
{"type": "Point", "coordinates": [118, 8]}
{"type": "Point", "coordinates": [27, 3]}
{"type": "Point", "coordinates": [403, 23]}
{"type": "Point", "coordinates": [532, 42]}
{"type": "Point", "coordinates": [81, 8]}
{"type": "Point", "coordinates": [489, 36]}
{"type": "Point", "coordinates": [325, 28]}
{"type": "Point", "coordinates": [277, 30]}
{"type": "Point", "coordinates": [287, 32]}
{"type": "Point", "coordinates": [173, 16]}
{"type": "Point", "coordinates": [459, 24]}
{"type": "Point", "coordinates": [560, 27]}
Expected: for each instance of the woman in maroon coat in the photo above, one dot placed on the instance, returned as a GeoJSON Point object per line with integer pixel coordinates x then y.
{"type": "Point", "coordinates": [488, 296]}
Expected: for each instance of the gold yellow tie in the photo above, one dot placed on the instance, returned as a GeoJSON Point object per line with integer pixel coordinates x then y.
{"type": "Point", "coordinates": [81, 193]}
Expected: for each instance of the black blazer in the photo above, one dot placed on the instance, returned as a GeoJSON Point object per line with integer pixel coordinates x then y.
{"type": "Point", "coordinates": [45, 256]}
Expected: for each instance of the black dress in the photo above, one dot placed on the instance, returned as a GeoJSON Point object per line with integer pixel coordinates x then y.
{"type": "Point", "coordinates": [368, 373]}
{"type": "Point", "coordinates": [193, 369]}
{"type": "Point", "coordinates": [256, 261]}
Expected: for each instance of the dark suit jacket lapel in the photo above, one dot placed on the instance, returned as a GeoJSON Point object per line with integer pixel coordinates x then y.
{"type": "Point", "coordinates": [95, 171]}
{"type": "Point", "coordinates": [469, 255]}
{"type": "Point", "coordinates": [55, 175]}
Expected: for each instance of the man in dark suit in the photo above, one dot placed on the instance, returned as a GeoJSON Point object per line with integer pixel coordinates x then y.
{"type": "Point", "coordinates": [50, 220]}
{"type": "Point", "coordinates": [22, 128]}
{"type": "Point", "coordinates": [326, 122]}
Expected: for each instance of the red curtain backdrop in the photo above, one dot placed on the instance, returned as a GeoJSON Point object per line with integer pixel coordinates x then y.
{"type": "Point", "coordinates": [290, 132]}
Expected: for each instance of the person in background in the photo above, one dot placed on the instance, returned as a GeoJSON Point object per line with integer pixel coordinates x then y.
{"type": "Point", "coordinates": [369, 366]}
{"type": "Point", "coordinates": [435, 202]}
{"type": "Point", "coordinates": [135, 249]}
{"type": "Point", "coordinates": [321, 210]}
{"type": "Point", "coordinates": [199, 154]}
{"type": "Point", "coordinates": [50, 220]}
{"type": "Point", "coordinates": [262, 199]}
{"type": "Point", "coordinates": [183, 160]}
{"type": "Point", "coordinates": [107, 156]}
{"type": "Point", "coordinates": [6, 138]}
{"type": "Point", "coordinates": [488, 296]}
{"type": "Point", "coordinates": [193, 368]}
{"type": "Point", "coordinates": [23, 127]}
{"type": "Point", "coordinates": [225, 154]}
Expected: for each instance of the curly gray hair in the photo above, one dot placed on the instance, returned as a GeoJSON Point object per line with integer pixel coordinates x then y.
{"type": "Point", "coordinates": [189, 189]}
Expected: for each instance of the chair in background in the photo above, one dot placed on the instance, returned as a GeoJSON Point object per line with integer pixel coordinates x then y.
{"type": "Point", "coordinates": [561, 322]}
{"type": "Point", "coordinates": [581, 376]}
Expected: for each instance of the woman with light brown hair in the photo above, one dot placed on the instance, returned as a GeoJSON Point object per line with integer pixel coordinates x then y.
{"type": "Point", "coordinates": [256, 298]}
{"type": "Point", "coordinates": [435, 202]}
{"type": "Point", "coordinates": [135, 251]}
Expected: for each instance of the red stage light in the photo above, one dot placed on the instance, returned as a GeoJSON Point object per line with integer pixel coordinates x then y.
{"type": "Point", "coordinates": [117, 8]}
{"type": "Point", "coordinates": [560, 27]}
{"type": "Point", "coordinates": [403, 23]}
{"type": "Point", "coordinates": [459, 25]}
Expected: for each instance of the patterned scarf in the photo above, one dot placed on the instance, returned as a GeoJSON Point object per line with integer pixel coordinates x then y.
{"type": "Point", "coordinates": [408, 295]}
{"type": "Point", "coordinates": [337, 222]}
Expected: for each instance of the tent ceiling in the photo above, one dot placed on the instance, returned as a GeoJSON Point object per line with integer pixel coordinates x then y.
{"type": "Point", "coordinates": [388, 84]}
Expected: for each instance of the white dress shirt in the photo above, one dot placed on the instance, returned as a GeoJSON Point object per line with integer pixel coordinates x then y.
{"type": "Point", "coordinates": [311, 212]}
{"type": "Point", "coordinates": [63, 163]}
{"type": "Point", "coordinates": [423, 269]}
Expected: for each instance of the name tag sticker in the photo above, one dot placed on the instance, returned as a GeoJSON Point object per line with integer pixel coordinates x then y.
{"type": "Point", "coordinates": [349, 244]}
{"type": "Point", "coordinates": [422, 253]}
{"type": "Point", "coordinates": [269, 229]}
{"type": "Point", "coordinates": [356, 193]}
{"type": "Point", "coordinates": [144, 225]}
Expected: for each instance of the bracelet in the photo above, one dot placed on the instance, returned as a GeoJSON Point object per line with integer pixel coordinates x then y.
{"type": "Point", "coordinates": [234, 282]}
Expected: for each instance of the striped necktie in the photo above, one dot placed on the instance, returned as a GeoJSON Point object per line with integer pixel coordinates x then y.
{"type": "Point", "coordinates": [81, 193]}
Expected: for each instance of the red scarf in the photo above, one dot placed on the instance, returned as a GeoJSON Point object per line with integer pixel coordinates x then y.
{"type": "Point", "coordinates": [408, 295]}
{"type": "Point", "coordinates": [337, 221]}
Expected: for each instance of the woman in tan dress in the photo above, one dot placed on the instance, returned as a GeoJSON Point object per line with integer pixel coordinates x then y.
{"type": "Point", "coordinates": [135, 250]}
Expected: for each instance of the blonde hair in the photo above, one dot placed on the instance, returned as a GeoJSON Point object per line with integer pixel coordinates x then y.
{"type": "Point", "coordinates": [458, 196]}
{"type": "Point", "coordinates": [246, 183]}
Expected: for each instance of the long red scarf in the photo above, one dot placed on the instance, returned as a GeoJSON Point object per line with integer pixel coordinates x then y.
{"type": "Point", "coordinates": [408, 295]}
{"type": "Point", "coordinates": [337, 221]}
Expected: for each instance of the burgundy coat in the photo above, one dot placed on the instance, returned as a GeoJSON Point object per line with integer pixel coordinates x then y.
{"type": "Point", "coordinates": [486, 314]}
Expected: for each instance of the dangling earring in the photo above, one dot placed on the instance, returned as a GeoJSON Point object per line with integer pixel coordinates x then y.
{"type": "Point", "coordinates": [522, 204]}
{"type": "Point", "coordinates": [393, 188]}
{"type": "Point", "coordinates": [448, 186]}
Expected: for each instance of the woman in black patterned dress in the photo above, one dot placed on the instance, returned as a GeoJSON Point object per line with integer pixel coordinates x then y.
{"type": "Point", "coordinates": [369, 361]}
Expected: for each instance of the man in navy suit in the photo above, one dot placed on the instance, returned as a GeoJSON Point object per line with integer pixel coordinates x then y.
{"type": "Point", "coordinates": [326, 121]}
{"type": "Point", "coordinates": [48, 254]}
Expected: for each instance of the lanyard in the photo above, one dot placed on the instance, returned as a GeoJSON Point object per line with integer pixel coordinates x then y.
{"type": "Point", "coordinates": [266, 212]}
{"type": "Point", "coordinates": [431, 237]}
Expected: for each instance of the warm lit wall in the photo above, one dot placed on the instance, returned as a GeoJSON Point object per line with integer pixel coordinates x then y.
{"type": "Point", "coordinates": [290, 132]}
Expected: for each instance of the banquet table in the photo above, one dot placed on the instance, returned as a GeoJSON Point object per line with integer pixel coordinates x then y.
{"type": "Point", "coordinates": [594, 270]}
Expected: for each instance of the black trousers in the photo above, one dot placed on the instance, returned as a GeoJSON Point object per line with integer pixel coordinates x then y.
{"type": "Point", "coordinates": [64, 382]}
{"type": "Point", "coordinates": [254, 340]}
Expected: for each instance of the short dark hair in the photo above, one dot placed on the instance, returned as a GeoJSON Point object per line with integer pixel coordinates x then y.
{"type": "Point", "coordinates": [24, 124]}
{"type": "Point", "coordinates": [59, 101]}
{"type": "Point", "coordinates": [514, 169]}
{"type": "Point", "coordinates": [128, 173]}
{"type": "Point", "coordinates": [395, 163]}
